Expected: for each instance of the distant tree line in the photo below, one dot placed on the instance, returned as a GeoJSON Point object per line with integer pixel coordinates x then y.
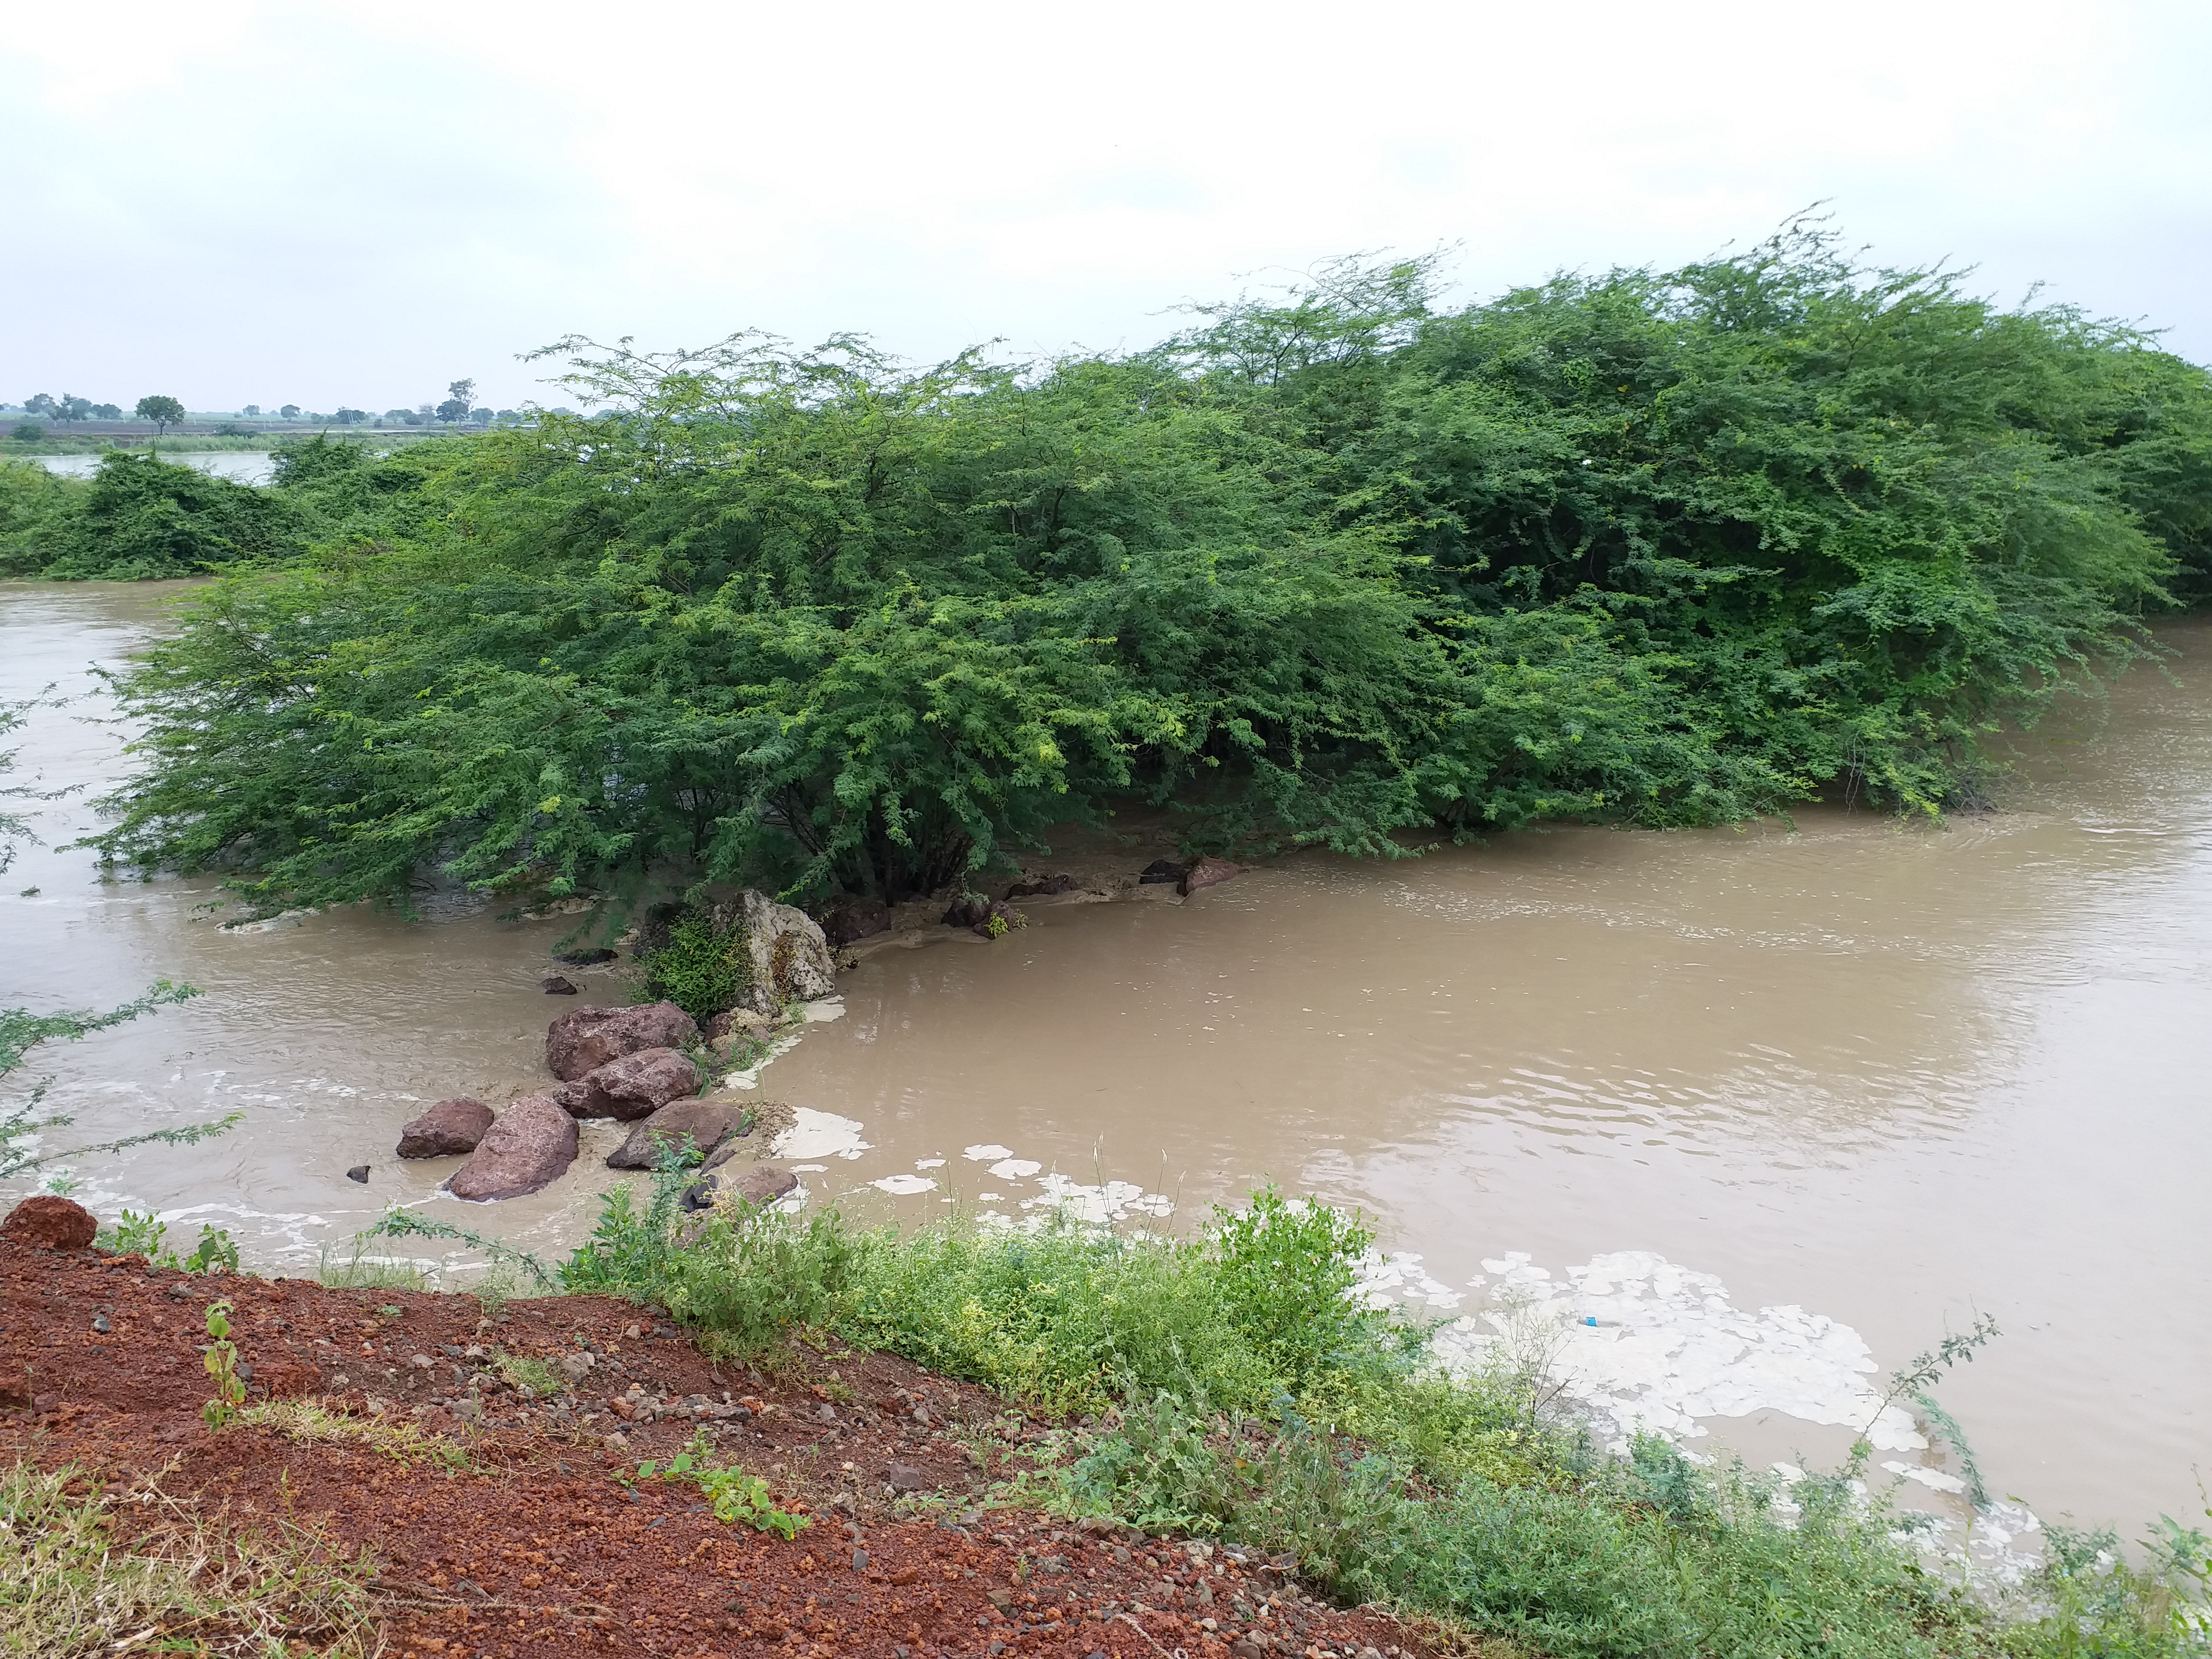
{"type": "Point", "coordinates": [459, 408]}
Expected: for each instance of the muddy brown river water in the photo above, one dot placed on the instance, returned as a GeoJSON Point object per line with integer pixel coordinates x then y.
{"type": "Point", "coordinates": [1863, 1075]}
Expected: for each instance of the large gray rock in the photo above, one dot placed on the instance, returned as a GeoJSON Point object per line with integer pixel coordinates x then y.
{"type": "Point", "coordinates": [530, 1145]}
{"type": "Point", "coordinates": [708, 1122]}
{"type": "Point", "coordinates": [636, 1085]}
{"type": "Point", "coordinates": [446, 1130]}
{"type": "Point", "coordinates": [787, 955]}
{"type": "Point", "coordinates": [588, 1038]}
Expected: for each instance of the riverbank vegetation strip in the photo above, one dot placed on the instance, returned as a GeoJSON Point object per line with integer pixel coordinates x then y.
{"type": "Point", "coordinates": [1232, 1385]}
{"type": "Point", "coordinates": [1342, 568]}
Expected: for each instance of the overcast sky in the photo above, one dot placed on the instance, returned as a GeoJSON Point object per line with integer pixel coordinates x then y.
{"type": "Point", "coordinates": [326, 205]}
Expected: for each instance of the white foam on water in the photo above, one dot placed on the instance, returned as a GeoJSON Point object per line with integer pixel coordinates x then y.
{"type": "Point", "coordinates": [820, 1134]}
{"type": "Point", "coordinates": [988, 1153]}
{"type": "Point", "coordinates": [1644, 1345]}
{"type": "Point", "coordinates": [1399, 1277]}
{"type": "Point", "coordinates": [1016, 1168]}
{"type": "Point", "coordinates": [810, 1013]}
{"type": "Point", "coordinates": [1112, 1201]}
{"type": "Point", "coordinates": [904, 1184]}
{"type": "Point", "coordinates": [1934, 1478]}
{"type": "Point", "coordinates": [929, 1164]}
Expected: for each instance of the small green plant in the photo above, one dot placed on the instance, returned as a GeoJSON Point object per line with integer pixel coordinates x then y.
{"type": "Point", "coordinates": [222, 1366]}
{"type": "Point", "coordinates": [700, 970]}
{"type": "Point", "coordinates": [134, 1235]}
{"type": "Point", "coordinates": [736, 1496]}
{"type": "Point", "coordinates": [141, 1235]}
{"type": "Point", "coordinates": [525, 1376]}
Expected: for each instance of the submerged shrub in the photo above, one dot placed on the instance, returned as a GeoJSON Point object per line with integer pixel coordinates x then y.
{"type": "Point", "coordinates": [1346, 568]}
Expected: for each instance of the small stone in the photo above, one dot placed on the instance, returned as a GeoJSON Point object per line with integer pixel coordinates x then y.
{"type": "Point", "coordinates": [99, 1324]}
{"type": "Point", "coordinates": [859, 1560]}
{"type": "Point", "coordinates": [557, 986]}
{"type": "Point", "coordinates": [617, 1442]}
{"type": "Point", "coordinates": [359, 1172]}
{"type": "Point", "coordinates": [904, 1477]}
{"type": "Point", "coordinates": [577, 1366]}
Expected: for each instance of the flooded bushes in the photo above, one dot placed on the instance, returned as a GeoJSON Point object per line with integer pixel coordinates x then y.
{"type": "Point", "coordinates": [1347, 567]}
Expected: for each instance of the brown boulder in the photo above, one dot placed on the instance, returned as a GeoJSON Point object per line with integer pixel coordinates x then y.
{"type": "Point", "coordinates": [723, 1178]}
{"type": "Point", "coordinates": [1207, 872]}
{"type": "Point", "coordinates": [855, 917]}
{"type": "Point", "coordinates": [588, 1038]}
{"type": "Point", "coordinates": [1044, 887]}
{"type": "Point", "coordinates": [530, 1145]}
{"type": "Point", "coordinates": [763, 1183]}
{"type": "Point", "coordinates": [636, 1085]}
{"type": "Point", "coordinates": [709, 1123]}
{"type": "Point", "coordinates": [47, 1223]}
{"type": "Point", "coordinates": [446, 1130]}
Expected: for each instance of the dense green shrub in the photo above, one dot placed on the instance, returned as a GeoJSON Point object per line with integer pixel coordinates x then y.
{"type": "Point", "coordinates": [1350, 570]}
{"type": "Point", "coordinates": [143, 517]}
{"type": "Point", "coordinates": [699, 967]}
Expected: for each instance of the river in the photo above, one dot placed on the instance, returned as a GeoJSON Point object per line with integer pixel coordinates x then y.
{"type": "Point", "coordinates": [1872, 1079]}
{"type": "Point", "coordinates": [251, 466]}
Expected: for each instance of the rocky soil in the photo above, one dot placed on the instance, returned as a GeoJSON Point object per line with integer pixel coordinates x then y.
{"type": "Point", "coordinates": [523, 1529]}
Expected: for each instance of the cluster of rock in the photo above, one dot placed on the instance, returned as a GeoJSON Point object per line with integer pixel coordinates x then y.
{"type": "Point", "coordinates": [629, 1064]}
{"type": "Point", "coordinates": [1187, 878]}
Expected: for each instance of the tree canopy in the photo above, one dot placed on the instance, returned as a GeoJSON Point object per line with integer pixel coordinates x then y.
{"type": "Point", "coordinates": [165, 413]}
{"type": "Point", "coordinates": [1341, 566]}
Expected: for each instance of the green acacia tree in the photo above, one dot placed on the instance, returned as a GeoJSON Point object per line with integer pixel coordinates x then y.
{"type": "Point", "coordinates": [1338, 567]}
{"type": "Point", "coordinates": [164, 412]}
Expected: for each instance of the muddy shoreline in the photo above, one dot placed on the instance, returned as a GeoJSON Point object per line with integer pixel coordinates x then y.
{"type": "Point", "coordinates": [499, 1520]}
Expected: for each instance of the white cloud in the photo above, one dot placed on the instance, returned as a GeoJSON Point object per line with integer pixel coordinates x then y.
{"type": "Point", "coordinates": [270, 203]}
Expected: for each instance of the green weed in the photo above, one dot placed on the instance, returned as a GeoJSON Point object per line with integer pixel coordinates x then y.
{"type": "Point", "coordinates": [310, 1421]}
{"type": "Point", "coordinates": [72, 1587]}
{"type": "Point", "coordinates": [222, 1364]}
{"type": "Point", "coordinates": [737, 1496]}
{"type": "Point", "coordinates": [357, 1270]}
{"type": "Point", "coordinates": [535, 1377]}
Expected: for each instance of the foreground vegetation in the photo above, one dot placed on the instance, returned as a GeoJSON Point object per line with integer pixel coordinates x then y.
{"type": "Point", "coordinates": [1239, 1391]}
{"type": "Point", "coordinates": [1352, 569]}
{"type": "Point", "coordinates": [178, 1582]}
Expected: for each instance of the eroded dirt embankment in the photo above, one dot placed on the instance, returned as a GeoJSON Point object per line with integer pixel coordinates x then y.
{"type": "Point", "coordinates": [537, 1538]}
